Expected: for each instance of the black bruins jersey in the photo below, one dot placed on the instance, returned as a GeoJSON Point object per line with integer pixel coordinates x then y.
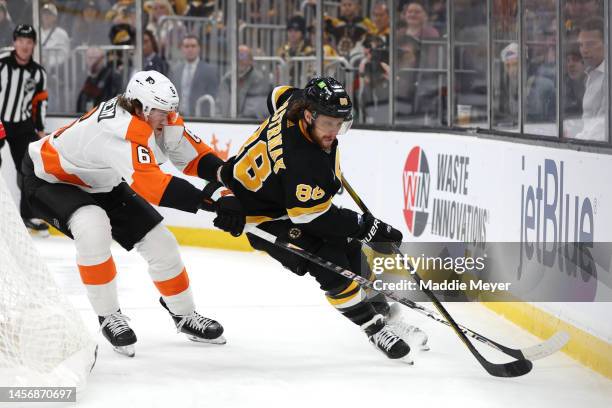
{"type": "Point", "coordinates": [280, 172]}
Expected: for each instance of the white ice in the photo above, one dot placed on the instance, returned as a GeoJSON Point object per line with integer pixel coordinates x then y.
{"type": "Point", "coordinates": [287, 347]}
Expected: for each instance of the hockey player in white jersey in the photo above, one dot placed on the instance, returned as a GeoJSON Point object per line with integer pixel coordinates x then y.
{"type": "Point", "coordinates": [95, 181]}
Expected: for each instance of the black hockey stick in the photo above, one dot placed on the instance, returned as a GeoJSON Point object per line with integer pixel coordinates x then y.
{"type": "Point", "coordinates": [512, 369]}
{"type": "Point", "coordinates": [550, 346]}
{"type": "Point", "coordinates": [515, 368]}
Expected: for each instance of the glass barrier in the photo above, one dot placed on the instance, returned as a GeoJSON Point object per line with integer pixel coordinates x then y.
{"type": "Point", "coordinates": [540, 68]}
{"type": "Point", "coordinates": [505, 56]}
{"type": "Point", "coordinates": [470, 63]}
{"type": "Point", "coordinates": [520, 66]}
{"type": "Point", "coordinates": [585, 79]}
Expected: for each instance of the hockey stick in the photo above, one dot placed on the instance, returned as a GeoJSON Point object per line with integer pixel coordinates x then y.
{"type": "Point", "coordinates": [514, 368]}
{"type": "Point", "coordinates": [538, 351]}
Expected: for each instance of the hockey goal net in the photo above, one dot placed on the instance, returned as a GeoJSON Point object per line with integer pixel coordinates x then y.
{"type": "Point", "coordinates": [43, 340]}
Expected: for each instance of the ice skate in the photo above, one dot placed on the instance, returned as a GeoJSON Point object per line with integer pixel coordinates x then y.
{"type": "Point", "coordinates": [197, 327]}
{"type": "Point", "coordinates": [37, 227]}
{"type": "Point", "coordinates": [412, 335]}
{"type": "Point", "coordinates": [116, 330]}
{"type": "Point", "coordinates": [386, 341]}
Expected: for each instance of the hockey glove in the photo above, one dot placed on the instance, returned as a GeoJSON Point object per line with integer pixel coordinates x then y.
{"type": "Point", "coordinates": [230, 215]}
{"type": "Point", "coordinates": [378, 235]}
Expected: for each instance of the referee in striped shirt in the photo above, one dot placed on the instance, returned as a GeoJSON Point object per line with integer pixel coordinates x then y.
{"type": "Point", "coordinates": [23, 99]}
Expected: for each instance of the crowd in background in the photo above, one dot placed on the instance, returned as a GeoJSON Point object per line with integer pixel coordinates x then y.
{"type": "Point", "coordinates": [187, 40]}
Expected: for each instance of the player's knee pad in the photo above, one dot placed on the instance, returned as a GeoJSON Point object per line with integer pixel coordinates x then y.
{"type": "Point", "coordinates": [91, 229]}
{"type": "Point", "coordinates": [160, 249]}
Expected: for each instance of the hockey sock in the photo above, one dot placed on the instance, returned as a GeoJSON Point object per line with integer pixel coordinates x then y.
{"type": "Point", "coordinates": [160, 249]}
{"type": "Point", "coordinates": [352, 302]}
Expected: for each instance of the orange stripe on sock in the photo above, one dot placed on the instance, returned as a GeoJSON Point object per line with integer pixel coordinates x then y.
{"type": "Point", "coordinates": [100, 274]}
{"type": "Point", "coordinates": [173, 286]}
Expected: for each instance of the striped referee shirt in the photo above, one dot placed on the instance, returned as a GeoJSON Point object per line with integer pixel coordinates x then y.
{"type": "Point", "coordinates": [23, 93]}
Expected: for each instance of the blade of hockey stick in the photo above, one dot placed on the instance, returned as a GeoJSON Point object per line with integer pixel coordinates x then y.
{"type": "Point", "coordinates": [538, 351]}
{"type": "Point", "coordinates": [512, 369]}
{"type": "Point", "coordinates": [553, 344]}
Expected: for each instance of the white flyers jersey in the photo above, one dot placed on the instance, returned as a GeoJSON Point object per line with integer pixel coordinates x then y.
{"type": "Point", "coordinates": [108, 144]}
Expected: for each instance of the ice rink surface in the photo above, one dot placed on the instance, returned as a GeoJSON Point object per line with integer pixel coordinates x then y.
{"type": "Point", "coordinates": [286, 347]}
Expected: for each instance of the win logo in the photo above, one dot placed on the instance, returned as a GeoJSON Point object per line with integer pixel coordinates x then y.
{"type": "Point", "coordinates": [415, 181]}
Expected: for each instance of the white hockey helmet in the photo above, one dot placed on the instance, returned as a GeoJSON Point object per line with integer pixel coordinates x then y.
{"type": "Point", "coordinates": [154, 90]}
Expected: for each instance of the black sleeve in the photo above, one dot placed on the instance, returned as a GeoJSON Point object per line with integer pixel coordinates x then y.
{"type": "Point", "coordinates": [39, 101]}
{"type": "Point", "coordinates": [181, 195]}
{"type": "Point", "coordinates": [208, 166]}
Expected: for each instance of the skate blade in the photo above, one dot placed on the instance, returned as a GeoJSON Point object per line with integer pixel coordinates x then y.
{"type": "Point", "coordinates": [129, 351]}
{"type": "Point", "coordinates": [419, 342]}
{"type": "Point", "coordinates": [218, 340]}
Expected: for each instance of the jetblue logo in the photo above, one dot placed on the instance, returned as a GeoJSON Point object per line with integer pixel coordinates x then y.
{"type": "Point", "coordinates": [557, 226]}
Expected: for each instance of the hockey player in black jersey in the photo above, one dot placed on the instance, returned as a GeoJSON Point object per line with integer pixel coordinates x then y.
{"type": "Point", "coordinates": [286, 174]}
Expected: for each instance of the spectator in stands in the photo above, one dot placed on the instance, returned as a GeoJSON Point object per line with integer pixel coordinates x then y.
{"type": "Point", "coordinates": [374, 84]}
{"type": "Point", "coordinates": [207, 9]}
{"type": "Point", "coordinates": [350, 28]}
{"type": "Point", "coordinates": [116, 8]}
{"type": "Point", "coordinates": [6, 27]}
{"type": "Point", "coordinates": [594, 102]}
{"type": "Point", "coordinates": [123, 30]}
{"type": "Point", "coordinates": [406, 100]}
{"type": "Point", "coordinates": [169, 32]}
{"type": "Point", "coordinates": [152, 60]}
{"type": "Point", "coordinates": [199, 8]}
{"type": "Point", "coordinates": [437, 15]}
{"type": "Point", "coordinates": [90, 28]}
{"type": "Point", "coordinates": [297, 46]}
{"type": "Point", "coordinates": [575, 78]}
{"type": "Point", "coordinates": [380, 18]}
{"type": "Point", "coordinates": [416, 21]}
{"type": "Point", "coordinates": [102, 82]}
{"type": "Point", "coordinates": [253, 88]}
{"type": "Point", "coordinates": [54, 40]}
{"type": "Point", "coordinates": [194, 77]}
{"type": "Point", "coordinates": [540, 91]}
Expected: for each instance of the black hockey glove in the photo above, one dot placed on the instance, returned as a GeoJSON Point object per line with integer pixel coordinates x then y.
{"type": "Point", "coordinates": [230, 215]}
{"type": "Point", "coordinates": [378, 235]}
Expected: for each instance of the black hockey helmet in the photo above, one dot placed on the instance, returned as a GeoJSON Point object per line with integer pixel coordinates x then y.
{"type": "Point", "coordinates": [24, 30]}
{"type": "Point", "coordinates": [326, 96]}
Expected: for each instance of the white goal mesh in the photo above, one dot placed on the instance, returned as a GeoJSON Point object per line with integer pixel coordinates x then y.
{"type": "Point", "coordinates": [43, 341]}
